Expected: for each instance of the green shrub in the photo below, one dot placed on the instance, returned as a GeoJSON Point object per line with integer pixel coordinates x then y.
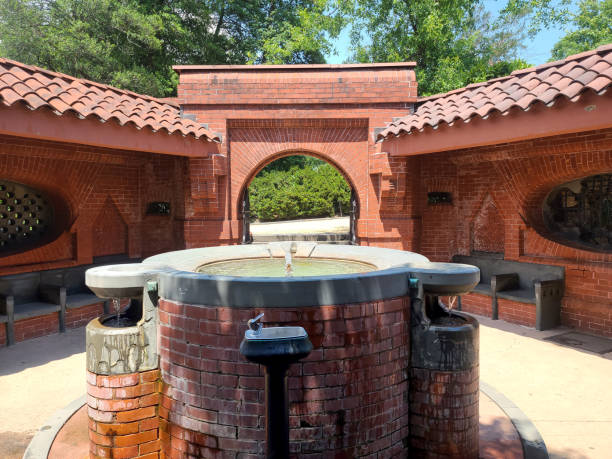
{"type": "Point", "coordinates": [298, 189]}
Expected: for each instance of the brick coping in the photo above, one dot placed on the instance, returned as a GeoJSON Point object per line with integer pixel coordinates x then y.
{"type": "Point", "coordinates": [266, 67]}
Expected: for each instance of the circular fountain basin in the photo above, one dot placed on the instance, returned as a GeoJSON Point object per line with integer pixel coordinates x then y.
{"type": "Point", "coordinates": [233, 275]}
{"type": "Point", "coordinates": [277, 267]}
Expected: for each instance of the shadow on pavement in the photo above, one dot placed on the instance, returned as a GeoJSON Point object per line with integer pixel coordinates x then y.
{"type": "Point", "coordinates": [39, 351]}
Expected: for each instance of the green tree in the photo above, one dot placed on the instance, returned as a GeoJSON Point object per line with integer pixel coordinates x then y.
{"type": "Point", "coordinates": [298, 187]}
{"type": "Point", "coordinates": [132, 44]}
{"type": "Point", "coordinates": [454, 42]}
{"type": "Point", "coordinates": [592, 26]}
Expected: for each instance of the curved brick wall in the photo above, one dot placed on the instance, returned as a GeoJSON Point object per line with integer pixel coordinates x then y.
{"type": "Point", "coordinates": [349, 397]}
{"type": "Point", "coordinates": [444, 413]}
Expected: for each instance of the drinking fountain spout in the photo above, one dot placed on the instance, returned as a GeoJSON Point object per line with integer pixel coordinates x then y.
{"type": "Point", "coordinates": [255, 325]}
{"type": "Point", "coordinates": [276, 348]}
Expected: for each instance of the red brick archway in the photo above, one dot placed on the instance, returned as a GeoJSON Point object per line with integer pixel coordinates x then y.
{"type": "Point", "coordinates": [253, 144]}
{"type": "Point", "coordinates": [331, 112]}
{"type": "Point", "coordinates": [241, 196]}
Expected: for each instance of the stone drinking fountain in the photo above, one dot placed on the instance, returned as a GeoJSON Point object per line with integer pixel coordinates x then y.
{"type": "Point", "coordinates": [392, 371]}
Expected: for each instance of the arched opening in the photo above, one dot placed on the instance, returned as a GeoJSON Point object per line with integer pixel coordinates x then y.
{"type": "Point", "coordinates": [298, 196]}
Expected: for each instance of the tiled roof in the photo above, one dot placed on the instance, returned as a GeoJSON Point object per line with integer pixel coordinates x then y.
{"type": "Point", "coordinates": [35, 88]}
{"type": "Point", "coordinates": [569, 78]}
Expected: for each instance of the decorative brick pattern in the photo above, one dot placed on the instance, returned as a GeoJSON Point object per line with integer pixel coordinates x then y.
{"type": "Point", "coordinates": [110, 232]}
{"type": "Point", "coordinates": [488, 229]}
{"type": "Point", "coordinates": [123, 420]}
{"type": "Point", "coordinates": [88, 180]}
{"type": "Point", "coordinates": [444, 413]}
{"type": "Point", "coordinates": [264, 115]}
{"type": "Point", "coordinates": [349, 397]}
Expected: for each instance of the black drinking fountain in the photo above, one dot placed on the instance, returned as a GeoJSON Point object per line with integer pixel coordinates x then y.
{"type": "Point", "coordinates": [276, 348]}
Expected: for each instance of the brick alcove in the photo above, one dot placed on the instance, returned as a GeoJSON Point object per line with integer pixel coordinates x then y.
{"type": "Point", "coordinates": [487, 229]}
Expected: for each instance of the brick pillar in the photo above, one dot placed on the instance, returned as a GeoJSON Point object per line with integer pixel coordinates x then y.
{"type": "Point", "coordinates": [444, 413]}
{"type": "Point", "coordinates": [444, 390]}
{"type": "Point", "coordinates": [123, 415]}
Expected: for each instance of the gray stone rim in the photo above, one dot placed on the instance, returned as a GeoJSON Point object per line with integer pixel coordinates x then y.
{"type": "Point", "coordinates": [531, 440]}
{"type": "Point", "coordinates": [40, 446]}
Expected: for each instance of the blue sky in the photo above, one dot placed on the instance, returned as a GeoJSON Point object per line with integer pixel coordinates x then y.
{"type": "Point", "coordinates": [537, 50]}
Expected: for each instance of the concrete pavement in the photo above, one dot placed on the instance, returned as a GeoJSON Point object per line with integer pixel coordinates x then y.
{"type": "Point", "coordinates": [565, 392]}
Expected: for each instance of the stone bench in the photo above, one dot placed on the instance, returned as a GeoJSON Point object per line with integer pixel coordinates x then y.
{"type": "Point", "coordinates": [528, 283]}
{"type": "Point", "coordinates": [37, 294]}
{"type": "Point", "coordinates": [22, 296]}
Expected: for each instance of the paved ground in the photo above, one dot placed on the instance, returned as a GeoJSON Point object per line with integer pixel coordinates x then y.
{"type": "Point", "coordinates": [309, 226]}
{"type": "Point", "coordinates": [37, 377]}
{"type": "Point", "coordinates": [565, 392]}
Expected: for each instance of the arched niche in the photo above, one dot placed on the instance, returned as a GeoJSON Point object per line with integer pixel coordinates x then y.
{"type": "Point", "coordinates": [579, 213]}
{"type": "Point", "coordinates": [29, 217]}
{"type": "Point", "coordinates": [487, 230]}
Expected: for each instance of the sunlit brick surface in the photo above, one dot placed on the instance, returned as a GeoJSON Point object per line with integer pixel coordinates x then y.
{"type": "Point", "coordinates": [123, 421]}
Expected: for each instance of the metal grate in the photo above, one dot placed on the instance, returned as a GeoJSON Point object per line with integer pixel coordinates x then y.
{"type": "Point", "coordinates": [25, 216]}
{"type": "Point", "coordinates": [581, 211]}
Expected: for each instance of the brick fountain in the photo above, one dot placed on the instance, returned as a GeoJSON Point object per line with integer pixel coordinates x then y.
{"type": "Point", "coordinates": [391, 372]}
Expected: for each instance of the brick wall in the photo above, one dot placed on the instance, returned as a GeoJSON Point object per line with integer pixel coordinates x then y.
{"type": "Point", "coordinates": [36, 326]}
{"type": "Point", "coordinates": [123, 420]}
{"type": "Point", "coordinates": [292, 85]}
{"type": "Point", "coordinates": [349, 397]}
{"type": "Point", "coordinates": [479, 304]}
{"type": "Point", "coordinates": [444, 413]}
{"type": "Point", "coordinates": [79, 317]}
{"type": "Point", "coordinates": [505, 185]}
{"type": "Point", "coordinates": [266, 113]}
{"type": "Point", "coordinates": [2, 334]}
{"type": "Point", "coordinates": [105, 193]}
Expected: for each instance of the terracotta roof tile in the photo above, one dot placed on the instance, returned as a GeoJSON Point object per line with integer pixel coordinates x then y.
{"type": "Point", "coordinates": [569, 78]}
{"type": "Point", "coordinates": [35, 88]}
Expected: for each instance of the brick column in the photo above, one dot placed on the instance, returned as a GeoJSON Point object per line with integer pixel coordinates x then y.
{"type": "Point", "coordinates": [123, 415]}
{"type": "Point", "coordinates": [444, 413]}
{"type": "Point", "coordinates": [444, 390]}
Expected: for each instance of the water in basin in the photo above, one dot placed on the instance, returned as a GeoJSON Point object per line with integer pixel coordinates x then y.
{"type": "Point", "coordinates": [276, 267]}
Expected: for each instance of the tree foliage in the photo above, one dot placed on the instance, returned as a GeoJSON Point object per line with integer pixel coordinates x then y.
{"type": "Point", "coordinates": [454, 42]}
{"type": "Point", "coordinates": [132, 44]}
{"type": "Point", "coordinates": [298, 187]}
{"type": "Point", "coordinates": [592, 26]}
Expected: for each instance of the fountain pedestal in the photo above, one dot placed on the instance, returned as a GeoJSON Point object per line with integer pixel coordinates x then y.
{"type": "Point", "coordinates": [276, 348]}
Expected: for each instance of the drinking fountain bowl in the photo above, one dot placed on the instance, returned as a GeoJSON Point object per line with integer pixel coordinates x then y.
{"type": "Point", "coordinates": [276, 348]}
{"type": "Point", "coordinates": [120, 281]}
{"type": "Point", "coordinates": [445, 278]}
{"type": "Point", "coordinates": [276, 345]}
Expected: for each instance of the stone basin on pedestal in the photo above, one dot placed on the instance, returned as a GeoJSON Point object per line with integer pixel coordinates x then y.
{"type": "Point", "coordinates": [113, 349]}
